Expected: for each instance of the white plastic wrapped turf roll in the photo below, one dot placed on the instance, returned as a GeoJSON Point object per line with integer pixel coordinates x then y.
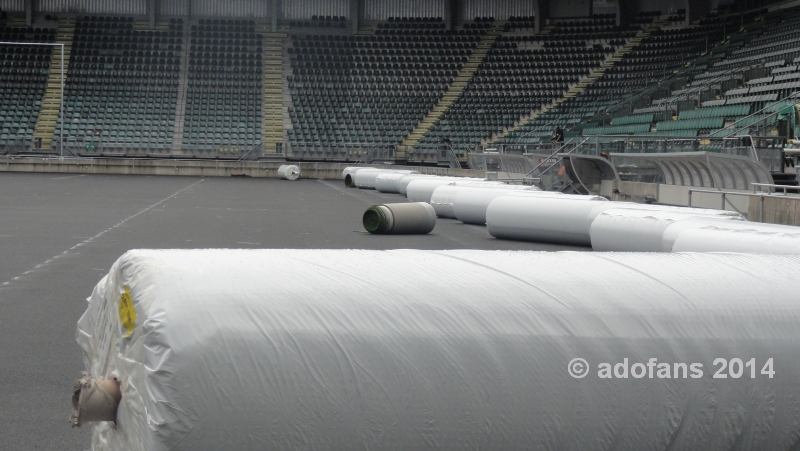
{"type": "Point", "coordinates": [443, 197]}
{"type": "Point", "coordinates": [289, 172]}
{"type": "Point", "coordinates": [634, 230]}
{"type": "Point", "coordinates": [746, 237]}
{"type": "Point", "coordinates": [350, 170]}
{"type": "Point", "coordinates": [564, 220]}
{"type": "Point", "coordinates": [673, 230]}
{"type": "Point", "coordinates": [402, 184]}
{"type": "Point", "coordinates": [421, 190]}
{"type": "Point", "coordinates": [366, 179]}
{"type": "Point", "coordinates": [387, 183]}
{"type": "Point", "coordinates": [242, 349]}
{"type": "Point", "coordinates": [469, 206]}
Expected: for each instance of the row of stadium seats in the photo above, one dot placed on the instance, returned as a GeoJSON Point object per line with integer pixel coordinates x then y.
{"type": "Point", "coordinates": [223, 98]}
{"type": "Point", "coordinates": [122, 86]}
{"type": "Point", "coordinates": [23, 79]}
{"type": "Point", "coordinates": [124, 83]}
{"type": "Point", "coordinates": [659, 53]}
{"type": "Point", "coordinates": [520, 74]}
{"type": "Point", "coordinates": [340, 84]}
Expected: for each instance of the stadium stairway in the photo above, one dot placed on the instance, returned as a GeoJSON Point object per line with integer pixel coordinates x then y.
{"type": "Point", "coordinates": [180, 106]}
{"type": "Point", "coordinates": [453, 91]}
{"type": "Point", "coordinates": [587, 81]}
{"type": "Point", "coordinates": [272, 100]}
{"type": "Point", "coordinates": [51, 104]}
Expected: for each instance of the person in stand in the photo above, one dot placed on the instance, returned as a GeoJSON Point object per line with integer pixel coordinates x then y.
{"type": "Point", "coordinates": [558, 135]}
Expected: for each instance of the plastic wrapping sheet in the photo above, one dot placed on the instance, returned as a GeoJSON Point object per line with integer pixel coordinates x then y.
{"type": "Point", "coordinates": [421, 190]}
{"type": "Point", "coordinates": [564, 219]}
{"type": "Point", "coordinates": [739, 238]}
{"type": "Point", "coordinates": [443, 197]}
{"type": "Point", "coordinates": [289, 172]}
{"type": "Point", "coordinates": [387, 183]}
{"type": "Point", "coordinates": [633, 230]}
{"type": "Point", "coordinates": [343, 350]}
{"type": "Point", "coordinates": [366, 179]}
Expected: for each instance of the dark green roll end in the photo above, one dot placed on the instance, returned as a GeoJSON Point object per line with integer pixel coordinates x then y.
{"type": "Point", "coordinates": [374, 220]}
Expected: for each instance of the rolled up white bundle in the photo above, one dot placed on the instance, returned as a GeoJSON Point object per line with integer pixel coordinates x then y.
{"type": "Point", "coordinates": [671, 233]}
{"type": "Point", "coordinates": [635, 230]}
{"type": "Point", "coordinates": [387, 182]}
{"type": "Point", "coordinates": [352, 170]}
{"type": "Point", "coordinates": [563, 219]}
{"type": "Point", "coordinates": [469, 206]}
{"type": "Point", "coordinates": [412, 218]}
{"type": "Point", "coordinates": [402, 184]}
{"type": "Point", "coordinates": [739, 237]}
{"type": "Point", "coordinates": [421, 190]}
{"type": "Point", "coordinates": [443, 197]}
{"type": "Point", "coordinates": [366, 179]}
{"type": "Point", "coordinates": [242, 350]}
{"type": "Point", "coordinates": [289, 172]}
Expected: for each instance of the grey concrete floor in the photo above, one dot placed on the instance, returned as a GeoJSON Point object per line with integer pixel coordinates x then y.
{"type": "Point", "coordinates": [59, 234]}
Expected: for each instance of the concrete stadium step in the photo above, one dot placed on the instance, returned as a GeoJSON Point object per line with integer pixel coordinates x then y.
{"type": "Point", "coordinates": [585, 82]}
{"type": "Point", "coordinates": [272, 92]}
{"type": "Point", "coordinates": [460, 82]}
{"type": "Point", "coordinates": [180, 104]}
{"type": "Point", "coordinates": [45, 128]}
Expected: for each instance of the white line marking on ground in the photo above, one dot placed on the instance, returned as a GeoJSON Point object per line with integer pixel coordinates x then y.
{"type": "Point", "coordinates": [68, 177]}
{"type": "Point", "coordinates": [90, 239]}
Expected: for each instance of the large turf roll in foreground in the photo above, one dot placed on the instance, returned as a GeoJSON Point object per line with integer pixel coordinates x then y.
{"type": "Point", "coordinates": [415, 218]}
{"type": "Point", "coordinates": [446, 350]}
{"type": "Point", "coordinates": [739, 237]}
{"type": "Point", "coordinates": [289, 172]}
{"type": "Point", "coordinates": [632, 230]}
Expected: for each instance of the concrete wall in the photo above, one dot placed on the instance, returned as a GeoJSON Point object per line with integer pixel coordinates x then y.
{"type": "Point", "coordinates": [679, 195]}
{"type": "Point", "coordinates": [193, 168]}
{"type": "Point", "coordinates": [776, 209]}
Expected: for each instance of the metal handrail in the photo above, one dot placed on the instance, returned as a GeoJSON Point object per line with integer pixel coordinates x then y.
{"type": "Point", "coordinates": [772, 185]}
{"type": "Point", "coordinates": [242, 157]}
{"type": "Point", "coordinates": [790, 96]}
{"type": "Point", "coordinates": [555, 152]}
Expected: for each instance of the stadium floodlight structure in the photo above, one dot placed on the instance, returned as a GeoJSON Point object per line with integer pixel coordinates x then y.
{"type": "Point", "coordinates": [61, 103]}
